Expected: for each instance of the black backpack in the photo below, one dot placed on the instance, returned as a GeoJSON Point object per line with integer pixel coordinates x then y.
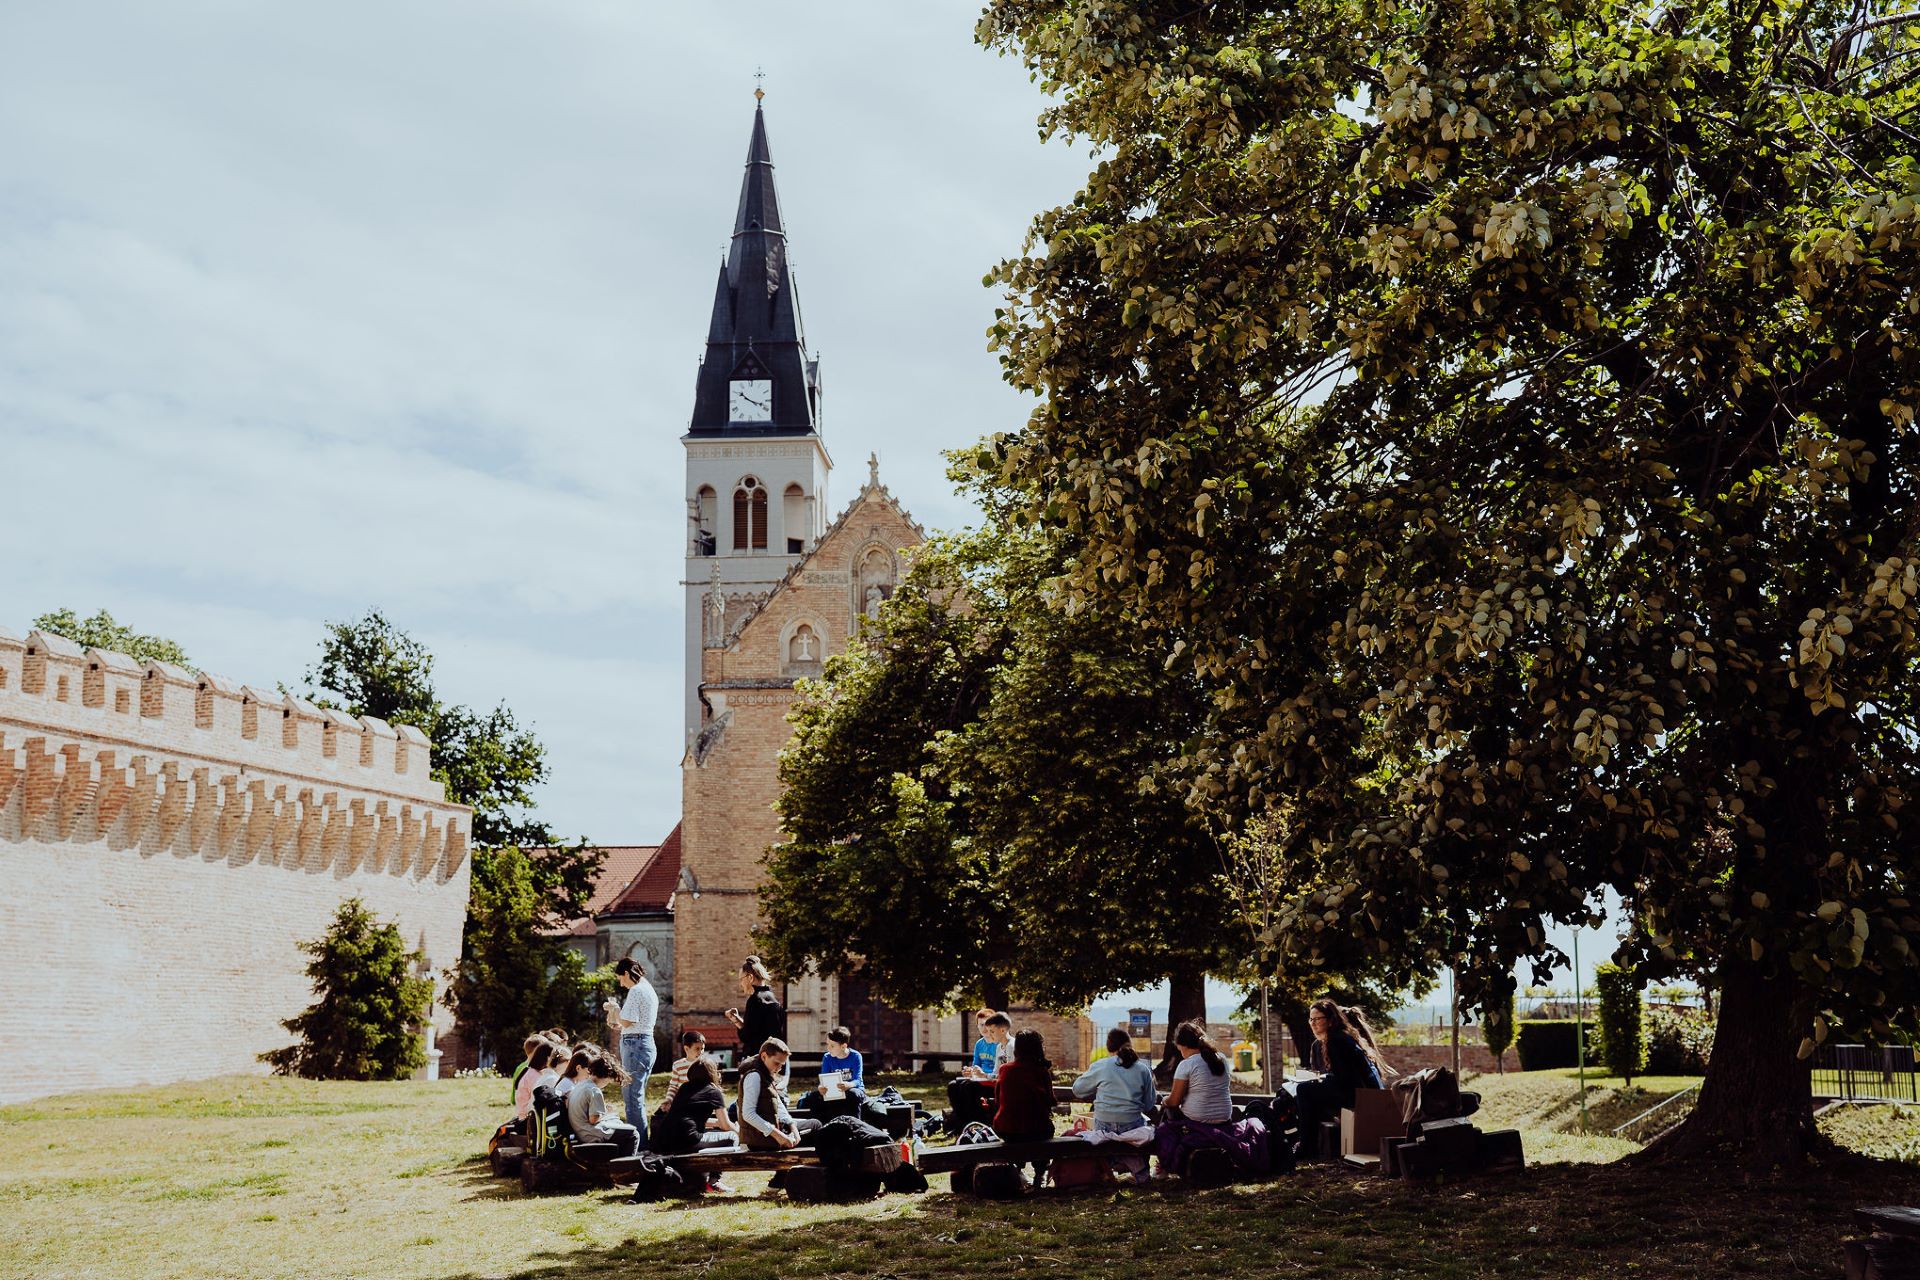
{"type": "Point", "coordinates": [658, 1179]}
{"type": "Point", "coordinates": [845, 1141]}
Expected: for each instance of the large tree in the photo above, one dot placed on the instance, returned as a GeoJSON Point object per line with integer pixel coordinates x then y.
{"type": "Point", "coordinates": [1512, 408]}
{"type": "Point", "coordinates": [514, 970]}
{"type": "Point", "coordinates": [975, 799]}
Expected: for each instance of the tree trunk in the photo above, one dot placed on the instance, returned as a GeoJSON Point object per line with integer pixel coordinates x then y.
{"type": "Point", "coordinates": [1756, 1102]}
{"type": "Point", "coordinates": [1293, 1015]}
{"type": "Point", "coordinates": [993, 994]}
{"type": "Point", "coordinates": [1186, 999]}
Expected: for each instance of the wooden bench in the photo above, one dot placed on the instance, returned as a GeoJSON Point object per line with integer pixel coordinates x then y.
{"type": "Point", "coordinates": [932, 1059]}
{"type": "Point", "coordinates": [1064, 1093]}
{"type": "Point", "coordinates": [1891, 1248]}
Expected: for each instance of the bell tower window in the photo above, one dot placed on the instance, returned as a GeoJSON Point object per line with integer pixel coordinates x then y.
{"type": "Point", "coordinates": [749, 516]}
{"type": "Point", "coordinates": [793, 519]}
{"type": "Point", "coordinates": [706, 510]}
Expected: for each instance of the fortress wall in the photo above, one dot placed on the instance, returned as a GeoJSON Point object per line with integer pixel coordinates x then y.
{"type": "Point", "coordinates": [167, 838]}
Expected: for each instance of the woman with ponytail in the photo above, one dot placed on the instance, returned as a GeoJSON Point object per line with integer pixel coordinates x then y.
{"type": "Point", "coordinates": [1122, 1089]}
{"type": "Point", "coordinates": [1202, 1090]}
{"type": "Point", "coordinates": [764, 1018]}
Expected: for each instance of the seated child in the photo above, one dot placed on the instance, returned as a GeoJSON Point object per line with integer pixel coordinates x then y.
{"type": "Point", "coordinates": [1025, 1103]}
{"type": "Point", "coordinates": [587, 1107]}
{"type": "Point", "coordinates": [971, 1096]}
{"type": "Point", "coordinates": [526, 1056]}
{"type": "Point", "coordinates": [574, 1070]}
{"type": "Point", "coordinates": [678, 1125]}
{"type": "Point", "coordinates": [693, 1047]}
{"type": "Point", "coordinates": [765, 1122]}
{"type": "Point", "coordinates": [841, 1074]}
{"type": "Point", "coordinates": [540, 1070]}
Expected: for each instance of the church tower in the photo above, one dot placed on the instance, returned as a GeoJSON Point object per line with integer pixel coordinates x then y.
{"type": "Point", "coordinates": [756, 466]}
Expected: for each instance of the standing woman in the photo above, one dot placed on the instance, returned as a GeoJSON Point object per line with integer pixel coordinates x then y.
{"type": "Point", "coordinates": [633, 1018]}
{"type": "Point", "coordinates": [763, 1019]}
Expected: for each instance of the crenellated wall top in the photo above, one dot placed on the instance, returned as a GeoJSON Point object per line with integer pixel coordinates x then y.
{"type": "Point", "coordinates": [49, 684]}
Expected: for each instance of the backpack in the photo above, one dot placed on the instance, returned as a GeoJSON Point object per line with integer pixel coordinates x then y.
{"type": "Point", "coordinates": [547, 1130]}
{"type": "Point", "coordinates": [1432, 1094]}
{"type": "Point", "coordinates": [658, 1179]}
{"type": "Point", "coordinates": [848, 1144]}
{"type": "Point", "coordinates": [1081, 1171]}
{"type": "Point", "coordinates": [976, 1133]}
{"type": "Point", "coordinates": [1277, 1114]}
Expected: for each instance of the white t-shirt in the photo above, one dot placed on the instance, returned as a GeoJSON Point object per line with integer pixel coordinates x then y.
{"type": "Point", "coordinates": [1209, 1097]}
{"type": "Point", "coordinates": [641, 1006]}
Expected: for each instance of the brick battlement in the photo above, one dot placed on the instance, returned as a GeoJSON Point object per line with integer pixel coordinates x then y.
{"type": "Point", "coordinates": [96, 746]}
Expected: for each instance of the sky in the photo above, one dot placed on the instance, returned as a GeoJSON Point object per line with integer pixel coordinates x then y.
{"type": "Point", "coordinates": [315, 309]}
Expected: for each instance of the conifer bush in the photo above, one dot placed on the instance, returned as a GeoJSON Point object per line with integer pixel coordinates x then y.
{"type": "Point", "coordinates": [1623, 1023]}
{"type": "Point", "coordinates": [370, 1014]}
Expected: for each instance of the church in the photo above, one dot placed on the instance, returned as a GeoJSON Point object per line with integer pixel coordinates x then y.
{"type": "Point", "coordinates": [775, 583]}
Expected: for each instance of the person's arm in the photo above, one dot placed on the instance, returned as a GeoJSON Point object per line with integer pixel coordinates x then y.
{"type": "Point", "coordinates": [750, 1103]}
{"type": "Point", "coordinates": [859, 1069]}
{"type": "Point", "coordinates": [1149, 1091]}
{"type": "Point", "coordinates": [1085, 1086]}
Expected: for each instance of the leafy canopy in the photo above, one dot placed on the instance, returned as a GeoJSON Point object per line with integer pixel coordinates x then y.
{"type": "Point", "coordinates": [1511, 409]}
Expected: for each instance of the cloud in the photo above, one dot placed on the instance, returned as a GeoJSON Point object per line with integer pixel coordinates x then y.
{"type": "Point", "coordinates": [399, 305]}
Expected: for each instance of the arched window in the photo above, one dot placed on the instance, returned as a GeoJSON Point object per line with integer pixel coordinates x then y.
{"type": "Point", "coordinates": [793, 519]}
{"type": "Point", "coordinates": [749, 516]}
{"type": "Point", "coordinates": [706, 510]}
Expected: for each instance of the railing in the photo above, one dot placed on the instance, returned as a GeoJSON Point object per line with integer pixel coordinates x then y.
{"type": "Point", "coordinates": [1858, 1072]}
{"type": "Point", "coordinates": [1659, 1117]}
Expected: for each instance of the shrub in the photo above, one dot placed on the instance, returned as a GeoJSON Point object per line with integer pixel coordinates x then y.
{"type": "Point", "coordinates": [369, 1021]}
{"type": "Point", "coordinates": [1623, 1027]}
{"type": "Point", "coordinates": [1679, 1041]}
{"type": "Point", "coordinates": [1544, 1043]}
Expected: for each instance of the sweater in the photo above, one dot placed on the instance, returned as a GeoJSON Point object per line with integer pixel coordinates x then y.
{"type": "Point", "coordinates": [1122, 1096]}
{"type": "Point", "coordinates": [1024, 1098]}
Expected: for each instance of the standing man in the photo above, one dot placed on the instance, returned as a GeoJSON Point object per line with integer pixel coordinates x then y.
{"type": "Point", "coordinates": [633, 1018]}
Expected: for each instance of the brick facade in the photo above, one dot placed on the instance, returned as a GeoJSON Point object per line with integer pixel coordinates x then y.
{"type": "Point", "coordinates": [168, 837]}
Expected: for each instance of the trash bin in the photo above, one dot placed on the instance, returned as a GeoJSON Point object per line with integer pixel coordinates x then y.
{"type": "Point", "coordinates": [1243, 1056]}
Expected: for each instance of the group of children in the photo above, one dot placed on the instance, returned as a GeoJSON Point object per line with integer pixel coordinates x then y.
{"type": "Point", "coordinates": [577, 1076]}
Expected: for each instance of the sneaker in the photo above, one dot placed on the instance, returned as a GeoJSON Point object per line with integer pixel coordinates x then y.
{"type": "Point", "coordinates": [717, 1183]}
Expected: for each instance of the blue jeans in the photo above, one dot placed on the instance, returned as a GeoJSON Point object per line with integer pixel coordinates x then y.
{"type": "Point", "coordinates": [636, 1056]}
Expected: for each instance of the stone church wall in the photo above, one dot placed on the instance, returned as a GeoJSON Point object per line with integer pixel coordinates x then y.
{"type": "Point", "coordinates": [167, 838]}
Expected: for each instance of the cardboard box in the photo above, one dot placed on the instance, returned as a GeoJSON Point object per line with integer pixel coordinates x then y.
{"type": "Point", "coordinates": [1374, 1115]}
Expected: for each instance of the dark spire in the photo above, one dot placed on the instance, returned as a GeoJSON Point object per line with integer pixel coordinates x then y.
{"type": "Point", "coordinates": [755, 334]}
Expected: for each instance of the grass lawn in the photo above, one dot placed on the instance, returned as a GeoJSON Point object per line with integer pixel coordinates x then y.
{"type": "Point", "coordinates": [261, 1178]}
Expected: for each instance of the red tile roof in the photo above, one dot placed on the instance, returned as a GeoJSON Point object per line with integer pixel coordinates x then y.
{"type": "Point", "coordinates": [623, 865]}
{"type": "Point", "coordinates": [653, 888]}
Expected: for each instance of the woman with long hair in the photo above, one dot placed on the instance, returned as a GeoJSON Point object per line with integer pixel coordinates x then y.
{"type": "Point", "coordinates": [1202, 1089]}
{"type": "Point", "coordinates": [1348, 1067]}
{"type": "Point", "coordinates": [1024, 1110]}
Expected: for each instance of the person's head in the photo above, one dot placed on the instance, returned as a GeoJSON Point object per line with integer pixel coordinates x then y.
{"type": "Point", "coordinates": [753, 974]}
{"type": "Point", "coordinates": [1190, 1037]}
{"type": "Point", "coordinates": [1120, 1045]}
{"type": "Point", "coordinates": [1325, 1019]}
{"type": "Point", "coordinates": [773, 1052]}
{"type": "Point", "coordinates": [1030, 1048]}
{"type": "Point", "coordinates": [841, 1039]}
{"type": "Point", "coordinates": [703, 1072]}
{"type": "Point", "coordinates": [603, 1068]}
{"type": "Point", "coordinates": [542, 1055]}
{"type": "Point", "coordinates": [998, 1026]}
{"type": "Point", "coordinates": [577, 1062]}
{"type": "Point", "coordinates": [556, 1034]}
{"type": "Point", "coordinates": [692, 1044]}
{"type": "Point", "coordinates": [629, 972]}
{"type": "Point", "coordinates": [1357, 1023]}
{"type": "Point", "coordinates": [532, 1042]}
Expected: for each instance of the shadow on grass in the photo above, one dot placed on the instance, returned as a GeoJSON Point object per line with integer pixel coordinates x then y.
{"type": "Point", "coordinates": [1558, 1220]}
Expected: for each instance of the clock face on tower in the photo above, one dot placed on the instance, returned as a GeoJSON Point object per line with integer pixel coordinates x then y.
{"type": "Point", "coordinates": [751, 400]}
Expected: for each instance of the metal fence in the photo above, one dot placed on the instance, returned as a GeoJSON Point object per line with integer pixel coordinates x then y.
{"type": "Point", "coordinates": [1866, 1073]}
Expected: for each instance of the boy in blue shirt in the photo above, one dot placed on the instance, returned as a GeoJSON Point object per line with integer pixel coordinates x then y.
{"type": "Point", "coordinates": [971, 1096]}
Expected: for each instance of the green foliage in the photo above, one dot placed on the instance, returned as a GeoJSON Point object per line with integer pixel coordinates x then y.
{"type": "Point", "coordinates": [102, 631]}
{"type": "Point", "coordinates": [512, 978]}
{"type": "Point", "coordinates": [1679, 1041]}
{"type": "Point", "coordinates": [486, 759]}
{"type": "Point", "coordinates": [1622, 1026]}
{"type": "Point", "coordinates": [369, 1019]}
{"type": "Point", "coordinates": [976, 794]}
{"type": "Point", "coordinates": [1511, 411]}
{"type": "Point", "coordinates": [1497, 1025]}
{"type": "Point", "coordinates": [1543, 1043]}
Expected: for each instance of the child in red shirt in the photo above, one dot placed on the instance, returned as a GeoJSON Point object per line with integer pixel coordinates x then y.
{"type": "Point", "coordinates": [1025, 1092]}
